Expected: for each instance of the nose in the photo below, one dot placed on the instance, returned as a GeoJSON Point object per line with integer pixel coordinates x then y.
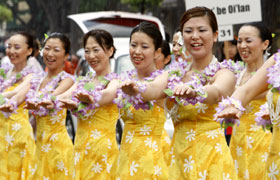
{"type": "Point", "coordinates": [137, 50]}
{"type": "Point", "coordinates": [195, 35]}
{"type": "Point", "coordinates": [176, 48]}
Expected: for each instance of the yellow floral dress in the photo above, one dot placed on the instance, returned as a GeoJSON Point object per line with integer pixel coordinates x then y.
{"type": "Point", "coordinates": [96, 147]}
{"type": "Point", "coordinates": [54, 152]}
{"type": "Point", "coordinates": [141, 156]}
{"type": "Point", "coordinates": [199, 149]}
{"type": "Point", "coordinates": [166, 145]}
{"type": "Point", "coordinates": [249, 144]}
{"type": "Point", "coordinates": [272, 171]}
{"type": "Point", "coordinates": [17, 145]}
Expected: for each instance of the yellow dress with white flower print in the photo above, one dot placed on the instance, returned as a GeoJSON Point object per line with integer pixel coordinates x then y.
{"type": "Point", "coordinates": [165, 144]}
{"type": "Point", "coordinates": [199, 148]}
{"type": "Point", "coordinates": [17, 145]}
{"type": "Point", "coordinates": [54, 152]}
{"type": "Point", "coordinates": [96, 147]}
{"type": "Point", "coordinates": [249, 144]}
{"type": "Point", "coordinates": [141, 156]}
{"type": "Point", "coordinates": [272, 170]}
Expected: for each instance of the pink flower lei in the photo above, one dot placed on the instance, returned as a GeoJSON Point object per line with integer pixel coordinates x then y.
{"type": "Point", "coordinates": [198, 79]}
{"type": "Point", "coordinates": [273, 74]}
{"type": "Point", "coordinates": [46, 93]}
{"type": "Point", "coordinates": [266, 124]}
{"type": "Point", "coordinates": [125, 101]}
{"type": "Point", "coordinates": [86, 86]}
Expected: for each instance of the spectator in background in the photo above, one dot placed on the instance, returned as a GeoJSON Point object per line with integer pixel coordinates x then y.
{"type": "Point", "coordinates": [178, 49]}
{"type": "Point", "coordinates": [231, 51]}
{"type": "Point", "coordinates": [164, 57]}
{"type": "Point", "coordinates": [70, 66]}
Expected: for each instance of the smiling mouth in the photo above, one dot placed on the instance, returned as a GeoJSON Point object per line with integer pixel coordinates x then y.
{"type": "Point", "coordinates": [196, 45]}
{"type": "Point", "coordinates": [51, 60]}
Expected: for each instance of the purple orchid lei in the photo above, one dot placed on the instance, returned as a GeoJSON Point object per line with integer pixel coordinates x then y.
{"type": "Point", "coordinates": [273, 74]}
{"type": "Point", "coordinates": [266, 124]}
{"type": "Point", "coordinates": [125, 101]}
{"type": "Point", "coordinates": [46, 93]}
{"type": "Point", "coordinates": [229, 101]}
{"type": "Point", "coordinates": [198, 79]}
{"type": "Point", "coordinates": [8, 82]}
{"type": "Point", "coordinates": [86, 86]}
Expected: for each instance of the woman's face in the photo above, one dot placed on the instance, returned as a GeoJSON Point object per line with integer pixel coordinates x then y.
{"type": "Point", "coordinates": [54, 54]}
{"type": "Point", "coordinates": [250, 45]}
{"type": "Point", "coordinates": [176, 46]}
{"type": "Point", "coordinates": [142, 50]}
{"type": "Point", "coordinates": [232, 50]}
{"type": "Point", "coordinates": [161, 60]}
{"type": "Point", "coordinates": [97, 58]}
{"type": "Point", "coordinates": [199, 37]}
{"type": "Point", "coordinates": [17, 49]}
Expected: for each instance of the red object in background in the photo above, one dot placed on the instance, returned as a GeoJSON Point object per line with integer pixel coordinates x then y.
{"type": "Point", "coordinates": [229, 130]}
{"type": "Point", "coordinates": [70, 66]}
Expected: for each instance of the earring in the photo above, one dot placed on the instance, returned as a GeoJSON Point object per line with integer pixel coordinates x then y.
{"type": "Point", "coordinates": [266, 53]}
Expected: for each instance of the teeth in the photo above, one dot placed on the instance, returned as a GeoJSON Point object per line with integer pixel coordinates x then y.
{"type": "Point", "coordinates": [196, 45]}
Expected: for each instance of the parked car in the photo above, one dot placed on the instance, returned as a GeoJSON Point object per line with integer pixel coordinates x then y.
{"type": "Point", "coordinates": [120, 25]}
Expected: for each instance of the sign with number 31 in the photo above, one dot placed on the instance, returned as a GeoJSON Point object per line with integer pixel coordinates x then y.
{"type": "Point", "coordinates": [225, 33]}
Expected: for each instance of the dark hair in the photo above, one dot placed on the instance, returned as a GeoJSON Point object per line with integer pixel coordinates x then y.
{"type": "Point", "coordinates": [63, 38]}
{"type": "Point", "coordinates": [264, 32]}
{"type": "Point", "coordinates": [200, 12]}
{"type": "Point", "coordinates": [151, 30]}
{"type": "Point", "coordinates": [236, 57]}
{"type": "Point", "coordinates": [29, 40]}
{"type": "Point", "coordinates": [103, 38]}
{"type": "Point", "coordinates": [165, 48]}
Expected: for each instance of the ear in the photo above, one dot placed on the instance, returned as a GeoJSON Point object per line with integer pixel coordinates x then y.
{"type": "Point", "coordinates": [157, 53]}
{"type": "Point", "coordinates": [216, 36]}
{"type": "Point", "coordinates": [111, 51]}
{"type": "Point", "coordinates": [167, 59]}
{"type": "Point", "coordinates": [265, 44]}
{"type": "Point", "coordinates": [29, 51]}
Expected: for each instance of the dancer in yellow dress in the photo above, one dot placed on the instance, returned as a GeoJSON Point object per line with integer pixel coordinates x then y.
{"type": "Point", "coordinates": [199, 149]}
{"type": "Point", "coordinates": [141, 154]}
{"type": "Point", "coordinates": [54, 152]}
{"type": "Point", "coordinates": [95, 146]}
{"type": "Point", "coordinates": [17, 140]}
{"type": "Point", "coordinates": [265, 78]}
{"type": "Point", "coordinates": [249, 142]}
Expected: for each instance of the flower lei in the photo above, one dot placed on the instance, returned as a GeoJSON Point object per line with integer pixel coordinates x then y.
{"type": "Point", "coordinates": [5, 83]}
{"type": "Point", "coordinates": [125, 101]}
{"type": "Point", "coordinates": [86, 86]}
{"type": "Point", "coordinates": [273, 74]}
{"type": "Point", "coordinates": [229, 101]}
{"type": "Point", "coordinates": [266, 124]}
{"type": "Point", "coordinates": [46, 93]}
{"type": "Point", "coordinates": [198, 79]}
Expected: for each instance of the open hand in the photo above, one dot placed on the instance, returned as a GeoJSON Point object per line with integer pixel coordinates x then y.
{"type": "Point", "coordinates": [48, 104]}
{"type": "Point", "coordinates": [229, 112]}
{"type": "Point", "coordinates": [31, 105]}
{"type": "Point", "coordinates": [85, 98]}
{"type": "Point", "coordinates": [7, 107]}
{"type": "Point", "coordinates": [130, 87]}
{"type": "Point", "coordinates": [68, 104]}
{"type": "Point", "coordinates": [184, 90]}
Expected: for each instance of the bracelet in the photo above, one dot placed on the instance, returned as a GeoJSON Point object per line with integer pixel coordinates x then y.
{"type": "Point", "coordinates": [265, 123]}
{"type": "Point", "coordinates": [229, 101]}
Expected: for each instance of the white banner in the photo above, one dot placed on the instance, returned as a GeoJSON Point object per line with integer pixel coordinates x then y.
{"type": "Point", "coordinates": [231, 11]}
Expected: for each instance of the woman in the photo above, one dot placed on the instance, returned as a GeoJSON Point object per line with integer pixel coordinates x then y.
{"type": "Point", "coordinates": [95, 144]}
{"type": "Point", "coordinates": [179, 49]}
{"type": "Point", "coordinates": [17, 141]}
{"type": "Point", "coordinates": [140, 155]}
{"type": "Point", "coordinates": [199, 149]}
{"type": "Point", "coordinates": [54, 152]}
{"type": "Point", "coordinates": [249, 142]}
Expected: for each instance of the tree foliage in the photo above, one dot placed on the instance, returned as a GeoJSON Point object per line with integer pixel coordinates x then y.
{"type": "Point", "coordinates": [5, 14]}
{"type": "Point", "coordinates": [141, 5]}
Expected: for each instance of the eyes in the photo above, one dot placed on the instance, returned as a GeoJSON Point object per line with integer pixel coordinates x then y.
{"type": "Point", "coordinates": [190, 30]}
{"type": "Point", "coordinates": [94, 50]}
{"type": "Point", "coordinates": [55, 49]}
{"type": "Point", "coordinates": [135, 45]}
{"type": "Point", "coordinates": [239, 41]}
{"type": "Point", "coordinates": [17, 47]}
